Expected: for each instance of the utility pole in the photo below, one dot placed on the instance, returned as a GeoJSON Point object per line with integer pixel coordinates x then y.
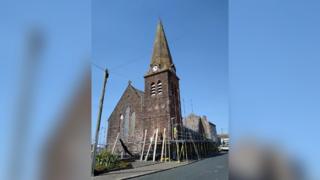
{"type": "Point", "coordinates": [106, 75]}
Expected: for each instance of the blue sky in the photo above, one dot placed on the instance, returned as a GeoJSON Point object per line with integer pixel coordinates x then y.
{"type": "Point", "coordinates": [124, 31]}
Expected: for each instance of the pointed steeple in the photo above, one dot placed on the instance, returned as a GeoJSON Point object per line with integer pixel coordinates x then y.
{"type": "Point", "coordinates": [161, 56]}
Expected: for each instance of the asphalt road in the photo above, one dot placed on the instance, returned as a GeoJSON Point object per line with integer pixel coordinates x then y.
{"type": "Point", "coordinates": [214, 168]}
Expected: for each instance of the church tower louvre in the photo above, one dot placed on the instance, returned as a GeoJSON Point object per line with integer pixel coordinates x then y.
{"type": "Point", "coordinates": [162, 107]}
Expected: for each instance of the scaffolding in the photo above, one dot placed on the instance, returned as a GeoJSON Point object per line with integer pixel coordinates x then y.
{"type": "Point", "coordinates": [184, 145]}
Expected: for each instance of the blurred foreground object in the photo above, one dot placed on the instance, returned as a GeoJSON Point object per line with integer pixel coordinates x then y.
{"type": "Point", "coordinates": [67, 156]}
{"type": "Point", "coordinates": [33, 50]}
{"type": "Point", "coordinates": [249, 160]}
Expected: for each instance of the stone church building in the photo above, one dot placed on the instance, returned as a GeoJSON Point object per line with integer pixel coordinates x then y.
{"type": "Point", "coordinates": [158, 106]}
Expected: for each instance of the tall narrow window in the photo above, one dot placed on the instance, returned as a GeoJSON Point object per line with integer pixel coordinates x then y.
{"type": "Point", "coordinates": [126, 123]}
{"type": "Point", "coordinates": [121, 122]}
{"type": "Point", "coordinates": [159, 87]}
{"type": "Point", "coordinates": [153, 89]}
{"type": "Point", "coordinates": [132, 124]}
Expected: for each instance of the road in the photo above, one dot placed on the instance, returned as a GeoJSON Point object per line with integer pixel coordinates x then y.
{"type": "Point", "coordinates": [214, 168]}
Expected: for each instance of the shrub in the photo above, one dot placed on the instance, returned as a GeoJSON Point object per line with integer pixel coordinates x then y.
{"type": "Point", "coordinates": [106, 160]}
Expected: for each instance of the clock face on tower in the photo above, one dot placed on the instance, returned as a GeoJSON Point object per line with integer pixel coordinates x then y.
{"type": "Point", "coordinates": [155, 68]}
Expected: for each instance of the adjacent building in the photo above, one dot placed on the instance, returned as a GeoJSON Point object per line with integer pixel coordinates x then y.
{"type": "Point", "coordinates": [201, 126]}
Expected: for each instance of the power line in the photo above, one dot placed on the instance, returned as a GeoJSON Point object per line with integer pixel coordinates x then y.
{"type": "Point", "coordinates": [128, 62]}
{"type": "Point", "coordinates": [111, 72]}
{"type": "Point", "coordinates": [136, 59]}
{"type": "Point", "coordinates": [97, 66]}
{"type": "Point", "coordinates": [120, 75]}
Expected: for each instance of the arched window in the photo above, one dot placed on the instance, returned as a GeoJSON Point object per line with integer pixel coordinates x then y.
{"type": "Point", "coordinates": [121, 122]}
{"type": "Point", "coordinates": [159, 87]}
{"type": "Point", "coordinates": [132, 124]}
{"type": "Point", "coordinates": [126, 123]}
{"type": "Point", "coordinates": [153, 89]}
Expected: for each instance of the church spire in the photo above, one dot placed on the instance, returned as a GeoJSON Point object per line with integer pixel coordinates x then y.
{"type": "Point", "coordinates": [161, 56]}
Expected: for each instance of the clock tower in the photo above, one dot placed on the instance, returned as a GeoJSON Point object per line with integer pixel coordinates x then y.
{"type": "Point", "coordinates": [161, 105]}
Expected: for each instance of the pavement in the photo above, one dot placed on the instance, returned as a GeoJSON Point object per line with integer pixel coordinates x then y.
{"type": "Point", "coordinates": [215, 168]}
{"type": "Point", "coordinates": [135, 172]}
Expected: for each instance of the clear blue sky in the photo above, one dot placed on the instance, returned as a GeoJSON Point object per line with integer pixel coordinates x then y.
{"type": "Point", "coordinates": [197, 32]}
